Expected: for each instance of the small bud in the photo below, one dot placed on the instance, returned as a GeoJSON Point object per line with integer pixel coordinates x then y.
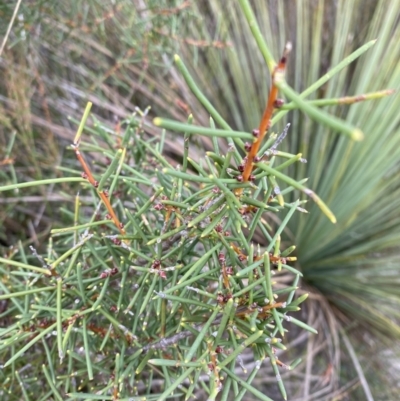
{"type": "Point", "coordinates": [229, 270]}
{"type": "Point", "coordinates": [108, 216]}
{"type": "Point", "coordinates": [114, 271]}
{"type": "Point", "coordinates": [241, 168]}
{"type": "Point", "coordinates": [156, 264]}
{"type": "Point", "coordinates": [219, 349]}
{"type": "Point", "coordinates": [255, 132]}
{"type": "Point", "coordinates": [227, 297]}
{"type": "Point", "coordinates": [84, 176]}
{"type": "Point", "coordinates": [279, 103]}
{"type": "Point", "coordinates": [96, 184]}
{"type": "Point", "coordinates": [218, 228]}
{"type": "Point", "coordinates": [257, 159]}
{"type": "Point", "coordinates": [116, 241]}
{"type": "Point", "coordinates": [239, 178]}
{"type": "Point", "coordinates": [247, 147]}
{"type": "Point", "coordinates": [158, 206]}
{"type": "Point", "coordinates": [252, 177]}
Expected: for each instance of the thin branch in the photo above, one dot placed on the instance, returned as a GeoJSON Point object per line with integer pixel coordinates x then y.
{"type": "Point", "coordinates": [266, 118]}
{"type": "Point", "coordinates": [10, 26]}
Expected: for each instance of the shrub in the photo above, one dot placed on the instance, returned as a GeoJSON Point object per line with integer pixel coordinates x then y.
{"type": "Point", "coordinates": [326, 259]}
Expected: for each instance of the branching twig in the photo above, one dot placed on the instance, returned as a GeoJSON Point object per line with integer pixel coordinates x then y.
{"type": "Point", "coordinates": [265, 122]}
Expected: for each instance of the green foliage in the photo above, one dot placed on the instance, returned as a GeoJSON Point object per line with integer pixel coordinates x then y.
{"type": "Point", "coordinates": [357, 180]}
{"type": "Point", "coordinates": [123, 56]}
{"type": "Point", "coordinates": [113, 310]}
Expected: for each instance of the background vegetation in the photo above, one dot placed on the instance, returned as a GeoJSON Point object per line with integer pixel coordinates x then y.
{"type": "Point", "coordinates": [120, 56]}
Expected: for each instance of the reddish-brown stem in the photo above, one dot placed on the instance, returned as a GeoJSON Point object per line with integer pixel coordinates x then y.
{"type": "Point", "coordinates": [213, 365]}
{"type": "Point", "coordinates": [225, 278]}
{"type": "Point", "coordinates": [281, 364]}
{"type": "Point", "coordinates": [267, 115]}
{"type": "Point", "coordinates": [102, 194]}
